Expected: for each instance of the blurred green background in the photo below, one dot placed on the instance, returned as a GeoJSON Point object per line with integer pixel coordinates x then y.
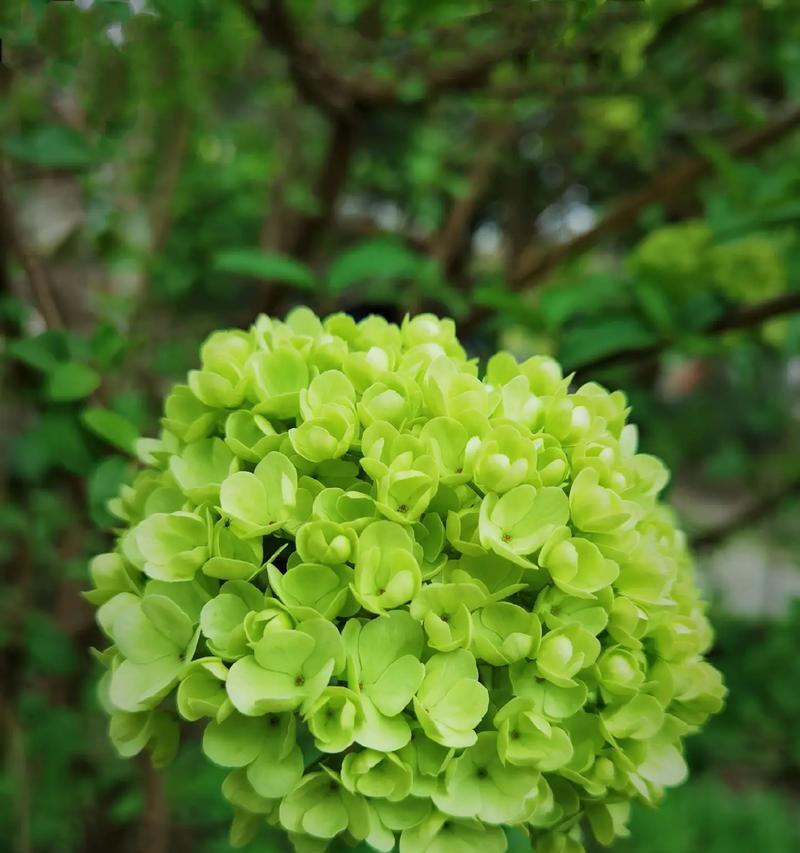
{"type": "Point", "coordinates": [616, 183]}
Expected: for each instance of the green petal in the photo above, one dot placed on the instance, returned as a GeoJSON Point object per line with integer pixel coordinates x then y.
{"type": "Point", "coordinates": [272, 774]}
{"type": "Point", "coordinates": [377, 731]}
{"type": "Point", "coordinates": [234, 743]}
{"type": "Point", "coordinates": [255, 691]}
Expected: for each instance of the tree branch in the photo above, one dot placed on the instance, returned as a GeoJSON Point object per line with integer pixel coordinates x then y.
{"type": "Point", "coordinates": [336, 94]}
{"type": "Point", "coordinates": [154, 822]}
{"type": "Point", "coordinates": [467, 73]}
{"type": "Point", "coordinates": [317, 83]}
{"type": "Point", "coordinates": [330, 181]}
{"type": "Point", "coordinates": [674, 24]}
{"type": "Point", "coordinates": [364, 227]}
{"type": "Point", "coordinates": [755, 513]}
{"type": "Point", "coordinates": [738, 318]}
{"type": "Point", "coordinates": [446, 245]}
{"type": "Point", "coordinates": [299, 234]}
{"type": "Point", "coordinates": [665, 188]}
{"type": "Point", "coordinates": [42, 288]}
{"type": "Point", "coordinates": [167, 182]}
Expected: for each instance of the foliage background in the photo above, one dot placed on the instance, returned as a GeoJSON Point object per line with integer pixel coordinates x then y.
{"type": "Point", "coordinates": [616, 183]}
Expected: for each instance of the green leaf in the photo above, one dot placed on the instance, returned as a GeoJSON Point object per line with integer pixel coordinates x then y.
{"type": "Point", "coordinates": [111, 427]}
{"type": "Point", "coordinates": [51, 146]}
{"type": "Point", "coordinates": [104, 483]}
{"type": "Point", "coordinates": [57, 441]}
{"type": "Point", "coordinates": [107, 344]}
{"type": "Point", "coordinates": [588, 295]}
{"type": "Point", "coordinates": [72, 381]}
{"type": "Point", "coordinates": [43, 352]}
{"type": "Point", "coordinates": [656, 305]}
{"type": "Point", "coordinates": [590, 341]}
{"type": "Point", "coordinates": [256, 263]}
{"type": "Point", "coordinates": [378, 259]}
{"type": "Point", "coordinates": [511, 306]}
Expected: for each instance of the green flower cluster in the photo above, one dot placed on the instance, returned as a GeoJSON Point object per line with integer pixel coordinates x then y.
{"type": "Point", "coordinates": [408, 604]}
{"type": "Point", "coordinates": [684, 258]}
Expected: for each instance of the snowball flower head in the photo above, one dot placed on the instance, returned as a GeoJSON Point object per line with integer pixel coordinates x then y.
{"type": "Point", "coordinates": [408, 604]}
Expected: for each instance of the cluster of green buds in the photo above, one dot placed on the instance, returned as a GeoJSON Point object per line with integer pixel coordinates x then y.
{"type": "Point", "coordinates": [679, 258]}
{"type": "Point", "coordinates": [409, 605]}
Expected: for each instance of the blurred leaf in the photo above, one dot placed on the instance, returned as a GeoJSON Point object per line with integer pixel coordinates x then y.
{"type": "Point", "coordinates": [656, 306]}
{"type": "Point", "coordinates": [588, 295]}
{"type": "Point", "coordinates": [379, 259]}
{"type": "Point", "coordinates": [788, 214]}
{"type": "Point", "coordinates": [430, 283]}
{"type": "Point", "coordinates": [133, 405]}
{"type": "Point", "coordinates": [511, 306]}
{"type": "Point", "coordinates": [72, 381]}
{"type": "Point", "coordinates": [728, 168]}
{"type": "Point", "coordinates": [57, 441]}
{"type": "Point", "coordinates": [111, 427]}
{"type": "Point", "coordinates": [726, 462]}
{"type": "Point", "coordinates": [256, 263]}
{"type": "Point", "coordinates": [13, 310]}
{"type": "Point", "coordinates": [699, 311]}
{"type": "Point", "coordinates": [103, 484]}
{"type": "Point", "coordinates": [44, 352]}
{"type": "Point", "coordinates": [50, 146]}
{"type": "Point", "coordinates": [107, 344]}
{"type": "Point", "coordinates": [49, 651]}
{"type": "Point", "coordinates": [590, 341]}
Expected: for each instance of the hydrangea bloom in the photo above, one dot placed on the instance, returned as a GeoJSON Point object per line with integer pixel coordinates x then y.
{"type": "Point", "coordinates": [409, 605]}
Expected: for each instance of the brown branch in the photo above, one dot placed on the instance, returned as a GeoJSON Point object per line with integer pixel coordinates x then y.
{"type": "Point", "coordinates": [336, 94]}
{"type": "Point", "coordinates": [738, 318]}
{"type": "Point", "coordinates": [317, 83]}
{"type": "Point", "coordinates": [18, 770]}
{"type": "Point", "coordinates": [472, 71]}
{"type": "Point", "coordinates": [154, 821]}
{"type": "Point", "coordinates": [42, 289]}
{"type": "Point", "coordinates": [167, 182]}
{"type": "Point", "coordinates": [666, 188]}
{"type": "Point", "coordinates": [754, 315]}
{"type": "Point", "coordinates": [446, 244]}
{"type": "Point", "coordinates": [297, 234]}
{"type": "Point", "coordinates": [278, 216]}
{"type": "Point", "coordinates": [757, 512]}
{"type": "Point", "coordinates": [364, 227]}
{"type": "Point", "coordinates": [677, 22]}
{"type": "Point", "coordinates": [522, 35]}
{"type": "Point", "coordinates": [331, 179]}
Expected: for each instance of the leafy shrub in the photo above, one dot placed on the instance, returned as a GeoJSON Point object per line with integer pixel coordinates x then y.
{"type": "Point", "coordinates": [404, 600]}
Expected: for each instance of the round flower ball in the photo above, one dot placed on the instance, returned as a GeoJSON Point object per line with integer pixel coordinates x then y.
{"type": "Point", "coordinates": [407, 604]}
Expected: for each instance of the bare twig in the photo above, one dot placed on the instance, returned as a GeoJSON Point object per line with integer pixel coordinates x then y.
{"type": "Point", "coordinates": [757, 512]}
{"type": "Point", "coordinates": [738, 318]}
{"type": "Point", "coordinates": [664, 188]}
{"type": "Point", "coordinates": [42, 289]}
